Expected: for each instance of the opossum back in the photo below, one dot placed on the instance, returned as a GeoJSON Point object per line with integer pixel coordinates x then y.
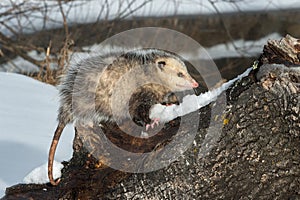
{"type": "Point", "coordinates": [77, 88]}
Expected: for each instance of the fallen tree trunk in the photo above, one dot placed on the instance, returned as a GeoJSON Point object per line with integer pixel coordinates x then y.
{"type": "Point", "coordinates": [252, 151]}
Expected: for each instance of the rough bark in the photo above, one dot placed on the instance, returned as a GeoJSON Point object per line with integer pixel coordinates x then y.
{"type": "Point", "coordinates": [251, 152]}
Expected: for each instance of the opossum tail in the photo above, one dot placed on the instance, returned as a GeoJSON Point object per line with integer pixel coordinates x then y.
{"type": "Point", "coordinates": [52, 150]}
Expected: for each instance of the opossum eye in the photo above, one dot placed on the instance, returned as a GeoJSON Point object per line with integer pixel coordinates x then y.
{"type": "Point", "coordinates": [161, 64]}
{"type": "Point", "coordinates": [179, 74]}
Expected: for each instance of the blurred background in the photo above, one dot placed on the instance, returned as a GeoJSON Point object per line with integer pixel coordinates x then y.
{"type": "Point", "coordinates": [37, 38]}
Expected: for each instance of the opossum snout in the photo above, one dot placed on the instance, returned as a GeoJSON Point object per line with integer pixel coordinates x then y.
{"type": "Point", "coordinates": [188, 85]}
{"type": "Point", "coordinates": [195, 84]}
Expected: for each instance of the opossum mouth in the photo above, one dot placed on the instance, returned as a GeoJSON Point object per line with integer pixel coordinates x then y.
{"type": "Point", "coordinates": [188, 86]}
{"type": "Point", "coordinates": [184, 86]}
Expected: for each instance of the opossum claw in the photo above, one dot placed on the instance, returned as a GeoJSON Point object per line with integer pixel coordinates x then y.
{"type": "Point", "coordinates": [152, 125]}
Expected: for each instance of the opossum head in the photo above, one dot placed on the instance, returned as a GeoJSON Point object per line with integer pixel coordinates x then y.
{"type": "Point", "coordinates": [163, 66]}
{"type": "Point", "coordinates": [173, 73]}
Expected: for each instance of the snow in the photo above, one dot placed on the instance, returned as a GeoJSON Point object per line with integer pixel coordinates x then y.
{"type": "Point", "coordinates": [40, 174]}
{"type": "Point", "coordinates": [3, 185]}
{"type": "Point", "coordinates": [239, 48]}
{"type": "Point", "coordinates": [28, 110]}
{"type": "Point", "coordinates": [19, 64]}
{"type": "Point", "coordinates": [190, 103]}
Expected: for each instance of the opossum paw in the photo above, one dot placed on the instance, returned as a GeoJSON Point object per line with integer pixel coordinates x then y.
{"type": "Point", "coordinates": [152, 125]}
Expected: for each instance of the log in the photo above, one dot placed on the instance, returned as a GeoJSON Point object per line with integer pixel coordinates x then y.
{"type": "Point", "coordinates": [249, 151]}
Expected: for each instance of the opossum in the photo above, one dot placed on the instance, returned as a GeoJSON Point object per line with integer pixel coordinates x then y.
{"type": "Point", "coordinates": [112, 87]}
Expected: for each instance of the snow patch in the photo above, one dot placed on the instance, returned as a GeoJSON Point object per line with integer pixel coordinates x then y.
{"type": "Point", "coordinates": [239, 48]}
{"type": "Point", "coordinates": [234, 49]}
{"type": "Point", "coordinates": [3, 185]}
{"type": "Point", "coordinates": [40, 174]}
{"type": "Point", "coordinates": [190, 103]}
{"type": "Point", "coordinates": [28, 111]}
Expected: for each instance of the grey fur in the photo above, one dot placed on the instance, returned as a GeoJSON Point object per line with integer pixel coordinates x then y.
{"type": "Point", "coordinates": [82, 83]}
{"type": "Point", "coordinates": [116, 86]}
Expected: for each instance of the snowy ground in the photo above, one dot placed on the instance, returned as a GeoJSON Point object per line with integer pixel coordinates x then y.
{"type": "Point", "coordinates": [28, 110]}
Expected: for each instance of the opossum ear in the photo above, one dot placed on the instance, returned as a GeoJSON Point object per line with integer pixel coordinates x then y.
{"type": "Point", "coordinates": [161, 64]}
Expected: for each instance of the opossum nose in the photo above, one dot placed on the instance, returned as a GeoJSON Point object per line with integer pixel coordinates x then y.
{"type": "Point", "coordinates": [195, 84]}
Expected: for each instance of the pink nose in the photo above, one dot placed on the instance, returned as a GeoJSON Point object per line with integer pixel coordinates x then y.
{"type": "Point", "coordinates": [195, 85]}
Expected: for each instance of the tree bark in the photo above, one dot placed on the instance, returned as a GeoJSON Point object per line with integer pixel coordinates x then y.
{"type": "Point", "coordinates": [249, 151]}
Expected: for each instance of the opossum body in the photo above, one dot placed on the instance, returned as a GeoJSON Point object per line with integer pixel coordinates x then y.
{"type": "Point", "coordinates": [113, 87]}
